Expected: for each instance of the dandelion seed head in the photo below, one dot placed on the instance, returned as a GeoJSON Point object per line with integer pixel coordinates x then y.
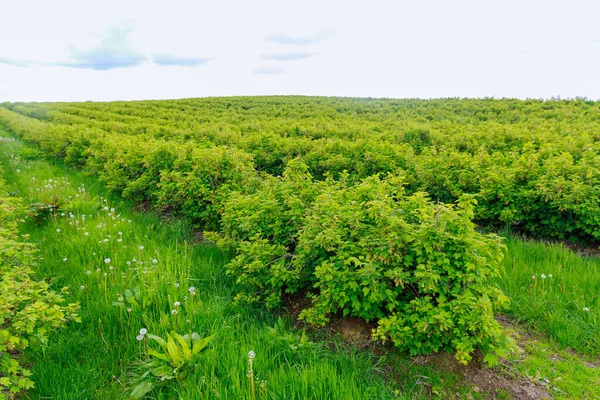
{"type": "Point", "coordinates": [143, 331]}
{"type": "Point", "coordinates": [251, 355]}
{"type": "Point", "coordinates": [140, 337]}
{"type": "Point", "coordinates": [177, 304]}
{"type": "Point", "coordinates": [107, 260]}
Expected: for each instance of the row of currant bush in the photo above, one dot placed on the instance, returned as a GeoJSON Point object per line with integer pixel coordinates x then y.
{"type": "Point", "coordinates": [29, 310]}
{"type": "Point", "coordinates": [416, 268]}
{"type": "Point", "coordinates": [540, 179]}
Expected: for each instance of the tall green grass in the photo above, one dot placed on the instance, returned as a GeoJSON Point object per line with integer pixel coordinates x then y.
{"type": "Point", "coordinates": [555, 291]}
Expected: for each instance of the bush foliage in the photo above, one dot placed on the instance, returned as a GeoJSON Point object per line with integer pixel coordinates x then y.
{"type": "Point", "coordinates": [364, 205]}
{"type": "Point", "coordinates": [417, 268]}
{"type": "Point", "coordinates": [533, 165]}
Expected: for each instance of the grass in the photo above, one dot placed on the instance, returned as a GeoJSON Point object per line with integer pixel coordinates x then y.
{"type": "Point", "coordinates": [543, 361]}
{"type": "Point", "coordinates": [555, 291]}
{"type": "Point", "coordinates": [100, 357]}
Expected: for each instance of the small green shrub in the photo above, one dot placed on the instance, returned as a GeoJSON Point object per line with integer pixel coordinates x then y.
{"type": "Point", "coordinates": [369, 250]}
{"type": "Point", "coordinates": [280, 334]}
{"type": "Point", "coordinates": [200, 181]}
{"type": "Point", "coordinates": [135, 299]}
{"type": "Point", "coordinates": [178, 358]}
{"type": "Point", "coordinates": [418, 139]}
{"type": "Point", "coordinates": [44, 210]}
{"type": "Point", "coordinates": [265, 227]}
{"type": "Point", "coordinates": [28, 153]}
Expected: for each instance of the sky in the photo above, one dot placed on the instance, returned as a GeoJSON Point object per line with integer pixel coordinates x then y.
{"type": "Point", "coordinates": [128, 49]}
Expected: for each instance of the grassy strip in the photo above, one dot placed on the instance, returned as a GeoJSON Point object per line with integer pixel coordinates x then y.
{"type": "Point", "coordinates": [555, 291]}
{"type": "Point", "coordinates": [546, 363]}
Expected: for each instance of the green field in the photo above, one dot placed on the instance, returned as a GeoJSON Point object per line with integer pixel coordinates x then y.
{"type": "Point", "coordinates": [348, 243]}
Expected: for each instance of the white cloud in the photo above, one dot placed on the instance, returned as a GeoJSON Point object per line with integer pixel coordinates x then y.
{"type": "Point", "coordinates": [287, 56]}
{"type": "Point", "coordinates": [269, 71]}
{"type": "Point", "coordinates": [281, 38]}
{"type": "Point", "coordinates": [348, 48]}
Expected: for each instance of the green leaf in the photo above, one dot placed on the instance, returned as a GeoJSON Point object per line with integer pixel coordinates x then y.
{"type": "Point", "coordinates": [201, 344]}
{"type": "Point", "coordinates": [158, 340]}
{"type": "Point", "coordinates": [162, 356]}
{"type": "Point", "coordinates": [173, 350]}
{"type": "Point", "coordinates": [491, 359]}
{"type": "Point", "coordinates": [162, 371]}
{"type": "Point", "coordinates": [140, 390]}
{"type": "Point", "coordinates": [185, 348]}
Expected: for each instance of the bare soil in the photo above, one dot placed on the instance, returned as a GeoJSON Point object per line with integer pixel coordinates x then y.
{"type": "Point", "coordinates": [492, 382]}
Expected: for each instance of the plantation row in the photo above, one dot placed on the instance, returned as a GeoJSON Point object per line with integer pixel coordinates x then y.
{"type": "Point", "coordinates": [326, 197]}
{"type": "Point", "coordinates": [532, 165]}
{"type": "Point", "coordinates": [359, 247]}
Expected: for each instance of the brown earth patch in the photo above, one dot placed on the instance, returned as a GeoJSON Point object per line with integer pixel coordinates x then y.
{"type": "Point", "coordinates": [354, 331]}
{"type": "Point", "coordinates": [143, 207]}
{"type": "Point", "coordinates": [294, 303]}
{"type": "Point", "coordinates": [492, 382]}
{"type": "Point", "coordinates": [197, 236]}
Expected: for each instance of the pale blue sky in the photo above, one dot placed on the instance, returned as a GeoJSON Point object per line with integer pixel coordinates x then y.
{"type": "Point", "coordinates": [68, 50]}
